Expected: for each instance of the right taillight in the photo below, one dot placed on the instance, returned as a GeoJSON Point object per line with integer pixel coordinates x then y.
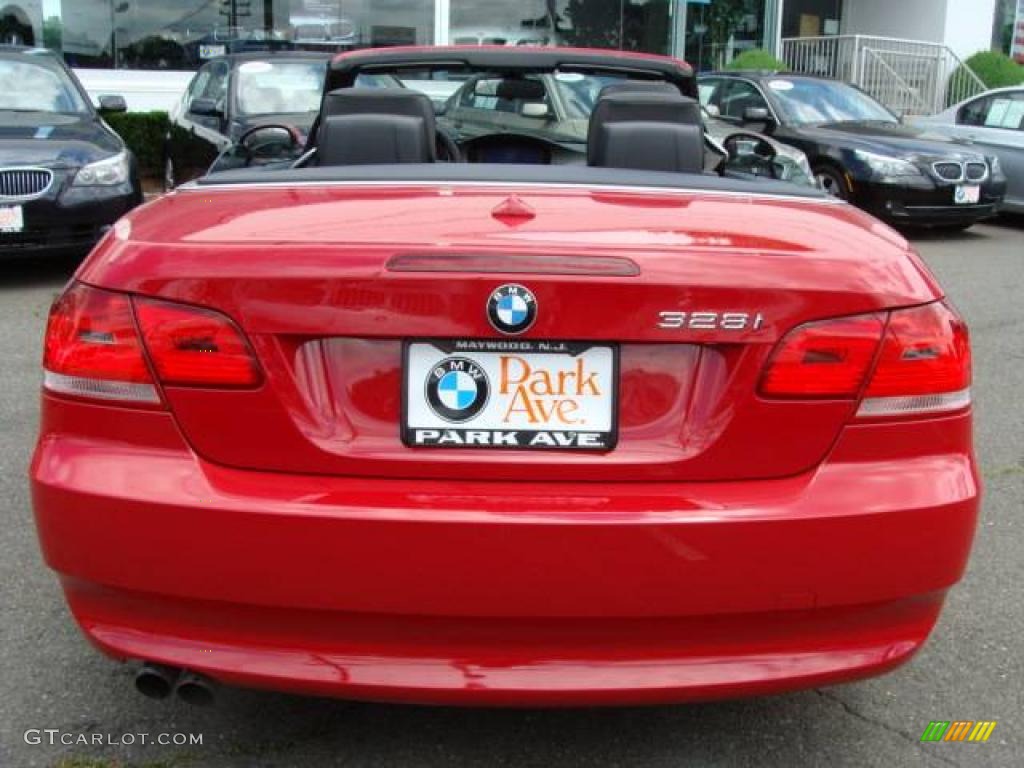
{"type": "Point", "coordinates": [914, 361]}
{"type": "Point", "coordinates": [827, 359]}
{"type": "Point", "coordinates": [924, 364]}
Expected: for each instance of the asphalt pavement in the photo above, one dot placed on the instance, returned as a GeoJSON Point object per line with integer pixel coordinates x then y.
{"type": "Point", "coordinates": [972, 669]}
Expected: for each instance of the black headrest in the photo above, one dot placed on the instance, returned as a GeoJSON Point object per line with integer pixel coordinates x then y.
{"type": "Point", "coordinates": [624, 102]}
{"type": "Point", "coordinates": [520, 89]}
{"type": "Point", "coordinates": [378, 101]}
{"type": "Point", "coordinates": [376, 126]}
{"type": "Point", "coordinates": [646, 129]}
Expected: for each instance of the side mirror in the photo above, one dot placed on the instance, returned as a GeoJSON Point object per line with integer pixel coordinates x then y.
{"type": "Point", "coordinates": [111, 102]}
{"type": "Point", "coordinates": [535, 109]}
{"type": "Point", "coordinates": [205, 108]}
{"type": "Point", "coordinates": [713, 110]}
{"type": "Point", "coordinates": [757, 115]}
{"type": "Point", "coordinates": [440, 108]}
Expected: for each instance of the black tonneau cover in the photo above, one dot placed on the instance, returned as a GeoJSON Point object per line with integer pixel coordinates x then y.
{"type": "Point", "coordinates": [504, 173]}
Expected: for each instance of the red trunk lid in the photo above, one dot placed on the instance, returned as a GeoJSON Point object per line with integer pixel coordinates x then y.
{"type": "Point", "coordinates": [329, 281]}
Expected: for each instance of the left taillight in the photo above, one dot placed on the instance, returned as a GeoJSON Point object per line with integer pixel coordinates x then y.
{"type": "Point", "coordinates": [100, 344]}
{"type": "Point", "coordinates": [195, 347]}
{"type": "Point", "coordinates": [93, 350]}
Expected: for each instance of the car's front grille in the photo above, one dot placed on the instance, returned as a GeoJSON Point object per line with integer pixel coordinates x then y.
{"type": "Point", "coordinates": [977, 171]}
{"type": "Point", "coordinates": [24, 183]}
{"type": "Point", "coordinates": [950, 171]}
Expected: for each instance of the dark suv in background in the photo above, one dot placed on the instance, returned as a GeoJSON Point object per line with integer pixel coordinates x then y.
{"type": "Point", "coordinates": [859, 150]}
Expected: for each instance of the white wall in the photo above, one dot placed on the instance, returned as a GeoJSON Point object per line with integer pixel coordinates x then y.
{"type": "Point", "coordinates": [911, 19]}
{"type": "Point", "coordinates": [963, 25]}
{"type": "Point", "coordinates": [143, 90]}
{"type": "Point", "coordinates": [969, 25]}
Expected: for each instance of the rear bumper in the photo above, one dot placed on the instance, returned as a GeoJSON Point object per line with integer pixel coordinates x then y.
{"type": "Point", "coordinates": [502, 593]}
{"type": "Point", "coordinates": [506, 662]}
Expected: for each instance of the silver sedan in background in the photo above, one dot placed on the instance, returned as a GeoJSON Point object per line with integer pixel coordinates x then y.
{"type": "Point", "coordinates": [995, 122]}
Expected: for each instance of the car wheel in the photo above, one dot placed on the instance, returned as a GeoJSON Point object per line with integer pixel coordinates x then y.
{"type": "Point", "coordinates": [170, 176]}
{"type": "Point", "coordinates": [832, 182]}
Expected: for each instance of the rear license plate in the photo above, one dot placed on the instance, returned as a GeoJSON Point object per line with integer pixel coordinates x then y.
{"type": "Point", "coordinates": [967, 195]}
{"type": "Point", "coordinates": [528, 395]}
{"type": "Point", "coordinates": [12, 218]}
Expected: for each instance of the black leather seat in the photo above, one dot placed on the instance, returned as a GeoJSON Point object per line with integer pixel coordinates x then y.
{"type": "Point", "coordinates": [375, 126]}
{"type": "Point", "coordinates": [648, 127]}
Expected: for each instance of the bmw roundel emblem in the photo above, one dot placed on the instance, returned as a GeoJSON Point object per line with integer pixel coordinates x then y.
{"type": "Point", "coordinates": [457, 389]}
{"type": "Point", "coordinates": [512, 308]}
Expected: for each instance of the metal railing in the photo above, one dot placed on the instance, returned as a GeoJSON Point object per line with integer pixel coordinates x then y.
{"type": "Point", "coordinates": [891, 88]}
{"type": "Point", "coordinates": [908, 76]}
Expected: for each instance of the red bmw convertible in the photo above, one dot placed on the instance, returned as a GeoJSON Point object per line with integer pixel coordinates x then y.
{"type": "Point", "coordinates": [505, 419]}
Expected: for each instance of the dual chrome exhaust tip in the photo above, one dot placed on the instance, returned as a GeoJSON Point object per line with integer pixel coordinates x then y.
{"type": "Point", "coordinates": [157, 681]}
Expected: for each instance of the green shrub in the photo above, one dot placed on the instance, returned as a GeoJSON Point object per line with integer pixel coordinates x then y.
{"type": "Point", "coordinates": [144, 133]}
{"type": "Point", "coordinates": [757, 58]}
{"type": "Point", "coordinates": [996, 69]}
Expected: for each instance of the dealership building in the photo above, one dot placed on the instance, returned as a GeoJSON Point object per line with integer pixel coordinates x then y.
{"type": "Point", "coordinates": [127, 44]}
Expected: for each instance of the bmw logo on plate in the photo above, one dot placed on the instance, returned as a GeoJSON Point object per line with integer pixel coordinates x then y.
{"type": "Point", "coordinates": [512, 308]}
{"type": "Point", "coordinates": [457, 389]}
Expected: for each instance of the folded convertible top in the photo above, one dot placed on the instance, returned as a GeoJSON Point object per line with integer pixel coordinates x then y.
{"type": "Point", "coordinates": [503, 173]}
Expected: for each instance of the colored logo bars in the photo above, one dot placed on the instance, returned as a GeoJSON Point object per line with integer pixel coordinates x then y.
{"type": "Point", "coordinates": [958, 730]}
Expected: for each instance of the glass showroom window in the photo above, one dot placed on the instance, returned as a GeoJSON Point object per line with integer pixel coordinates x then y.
{"type": "Point", "coordinates": [81, 30]}
{"type": "Point", "coordinates": [717, 31]}
{"type": "Point", "coordinates": [811, 18]}
{"type": "Point", "coordinates": [632, 25]}
{"type": "Point", "coordinates": [182, 34]}
{"type": "Point", "coordinates": [20, 25]}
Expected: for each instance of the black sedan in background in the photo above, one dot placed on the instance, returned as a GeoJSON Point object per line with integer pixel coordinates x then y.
{"type": "Point", "coordinates": [231, 95]}
{"type": "Point", "coordinates": [860, 151]}
{"type": "Point", "coordinates": [65, 176]}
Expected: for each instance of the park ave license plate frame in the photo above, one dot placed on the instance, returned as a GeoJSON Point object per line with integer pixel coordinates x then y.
{"type": "Point", "coordinates": [510, 394]}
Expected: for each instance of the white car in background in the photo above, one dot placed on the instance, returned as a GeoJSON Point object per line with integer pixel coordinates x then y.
{"type": "Point", "coordinates": [994, 121]}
